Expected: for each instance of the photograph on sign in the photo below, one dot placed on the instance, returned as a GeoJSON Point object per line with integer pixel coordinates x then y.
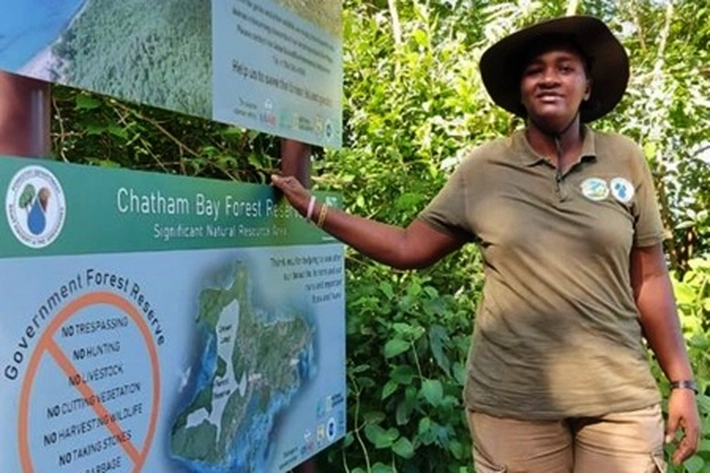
{"type": "Point", "coordinates": [202, 331]}
{"type": "Point", "coordinates": [271, 66]}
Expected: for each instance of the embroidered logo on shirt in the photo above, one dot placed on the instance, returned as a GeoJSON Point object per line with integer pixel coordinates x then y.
{"type": "Point", "coordinates": [622, 190]}
{"type": "Point", "coordinates": [595, 189]}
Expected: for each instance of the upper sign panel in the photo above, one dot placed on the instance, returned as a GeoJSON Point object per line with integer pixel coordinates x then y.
{"type": "Point", "coordinates": [269, 65]}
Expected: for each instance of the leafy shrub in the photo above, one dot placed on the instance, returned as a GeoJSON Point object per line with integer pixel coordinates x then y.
{"type": "Point", "coordinates": [692, 292]}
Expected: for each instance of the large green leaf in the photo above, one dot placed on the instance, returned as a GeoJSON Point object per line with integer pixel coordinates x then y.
{"type": "Point", "coordinates": [695, 465]}
{"type": "Point", "coordinates": [86, 102]}
{"type": "Point", "coordinates": [438, 336]}
{"type": "Point", "coordinates": [403, 447]}
{"type": "Point", "coordinates": [433, 391]}
{"type": "Point", "coordinates": [395, 347]}
{"type": "Point", "coordinates": [374, 417]}
{"type": "Point", "coordinates": [380, 437]}
{"type": "Point", "coordinates": [389, 389]}
{"type": "Point", "coordinates": [403, 374]}
{"type": "Point", "coordinates": [382, 468]}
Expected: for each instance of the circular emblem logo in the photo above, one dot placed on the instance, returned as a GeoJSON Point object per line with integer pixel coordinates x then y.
{"type": "Point", "coordinates": [595, 189]}
{"type": "Point", "coordinates": [622, 189]}
{"type": "Point", "coordinates": [35, 206]}
{"type": "Point", "coordinates": [331, 429]}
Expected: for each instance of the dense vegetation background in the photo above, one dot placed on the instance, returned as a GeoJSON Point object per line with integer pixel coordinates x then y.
{"type": "Point", "coordinates": [414, 105]}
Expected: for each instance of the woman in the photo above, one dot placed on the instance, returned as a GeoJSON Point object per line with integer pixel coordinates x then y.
{"type": "Point", "coordinates": [571, 238]}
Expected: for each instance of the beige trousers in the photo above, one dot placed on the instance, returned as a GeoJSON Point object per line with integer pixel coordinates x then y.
{"type": "Point", "coordinates": [629, 442]}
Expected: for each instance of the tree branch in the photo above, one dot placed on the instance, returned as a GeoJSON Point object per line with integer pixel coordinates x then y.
{"type": "Point", "coordinates": [396, 26]}
{"type": "Point", "coordinates": [572, 7]}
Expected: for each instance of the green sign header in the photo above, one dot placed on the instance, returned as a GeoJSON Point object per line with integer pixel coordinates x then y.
{"type": "Point", "coordinates": [54, 208]}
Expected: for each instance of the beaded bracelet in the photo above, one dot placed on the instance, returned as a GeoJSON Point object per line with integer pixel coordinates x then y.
{"type": "Point", "coordinates": [311, 207]}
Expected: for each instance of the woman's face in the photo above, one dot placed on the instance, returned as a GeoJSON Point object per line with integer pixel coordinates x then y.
{"type": "Point", "coordinates": [553, 85]}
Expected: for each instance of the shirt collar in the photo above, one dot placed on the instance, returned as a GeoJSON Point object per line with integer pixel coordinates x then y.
{"type": "Point", "coordinates": [529, 157]}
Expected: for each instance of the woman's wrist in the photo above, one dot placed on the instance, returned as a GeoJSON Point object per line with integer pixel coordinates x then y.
{"type": "Point", "coordinates": [684, 384]}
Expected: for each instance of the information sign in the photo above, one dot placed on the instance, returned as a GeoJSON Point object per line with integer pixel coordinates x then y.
{"type": "Point", "coordinates": [268, 65]}
{"type": "Point", "coordinates": [159, 323]}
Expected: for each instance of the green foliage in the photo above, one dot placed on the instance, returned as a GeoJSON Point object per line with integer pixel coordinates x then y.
{"type": "Point", "coordinates": [97, 130]}
{"type": "Point", "coordinates": [409, 111]}
{"type": "Point", "coordinates": [667, 110]}
{"type": "Point", "coordinates": [324, 13]}
{"type": "Point", "coordinates": [405, 395]}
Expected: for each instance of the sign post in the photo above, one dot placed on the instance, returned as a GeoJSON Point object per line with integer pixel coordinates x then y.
{"type": "Point", "coordinates": [295, 161]}
{"type": "Point", "coordinates": [24, 116]}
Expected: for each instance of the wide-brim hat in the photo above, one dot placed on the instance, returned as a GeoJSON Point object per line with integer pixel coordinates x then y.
{"type": "Point", "coordinates": [501, 66]}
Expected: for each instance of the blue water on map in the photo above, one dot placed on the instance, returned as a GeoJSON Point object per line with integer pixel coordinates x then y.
{"type": "Point", "coordinates": [250, 450]}
{"type": "Point", "coordinates": [29, 26]}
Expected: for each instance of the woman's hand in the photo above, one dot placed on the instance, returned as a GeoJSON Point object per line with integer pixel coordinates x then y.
{"type": "Point", "coordinates": [683, 414]}
{"type": "Point", "coordinates": [297, 195]}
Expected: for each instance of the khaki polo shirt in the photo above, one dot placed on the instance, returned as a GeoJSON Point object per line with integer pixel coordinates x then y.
{"type": "Point", "coordinates": [557, 332]}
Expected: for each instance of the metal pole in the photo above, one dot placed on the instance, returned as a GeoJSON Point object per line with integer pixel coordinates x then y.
{"type": "Point", "coordinates": [24, 116]}
{"type": "Point", "coordinates": [296, 161]}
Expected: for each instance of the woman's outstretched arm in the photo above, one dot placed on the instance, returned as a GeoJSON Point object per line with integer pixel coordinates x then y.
{"type": "Point", "coordinates": [416, 246]}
